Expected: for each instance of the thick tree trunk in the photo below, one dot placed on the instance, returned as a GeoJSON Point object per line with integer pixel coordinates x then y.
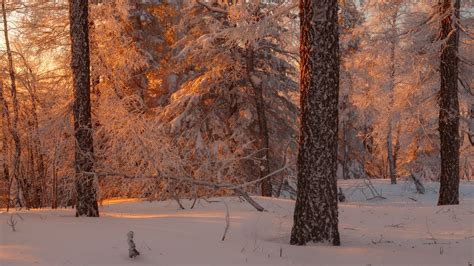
{"type": "Point", "coordinates": [86, 202]}
{"type": "Point", "coordinates": [14, 127]}
{"type": "Point", "coordinates": [263, 139]}
{"type": "Point", "coordinates": [316, 214]}
{"type": "Point", "coordinates": [449, 104]}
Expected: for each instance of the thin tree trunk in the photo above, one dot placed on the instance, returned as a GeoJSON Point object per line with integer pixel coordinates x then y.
{"type": "Point", "coordinates": [36, 142]}
{"type": "Point", "coordinates": [391, 158]}
{"type": "Point", "coordinates": [449, 104]}
{"type": "Point", "coordinates": [14, 127]}
{"type": "Point", "coordinates": [316, 214]}
{"type": "Point", "coordinates": [6, 124]}
{"type": "Point", "coordinates": [471, 126]}
{"type": "Point", "coordinates": [31, 181]}
{"type": "Point", "coordinates": [54, 174]}
{"type": "Point", "coordinates": [86, 202]}
{"type": "Point", "coordinates": [396, 149]}
{"type": "Point", "coordinates": [345, 145]}
{"type": "Point", "coordinates": [345, 159]}
{"type": "Point", "coordinates": [390, 150]}
{"type": "Point", "coordinates": [263, 139]}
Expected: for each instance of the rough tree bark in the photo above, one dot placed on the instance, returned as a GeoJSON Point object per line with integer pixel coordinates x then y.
{"type": "Point", "coordinates": [449, 104]}
{"type": "Point", "coordinates": [14, 127]}
{"type": "Point", "coordinates": [263, 139]}
{"type": "Point", "coordinates": [316, 214]}
{"type": "Point", "coordinates": [86, 202]}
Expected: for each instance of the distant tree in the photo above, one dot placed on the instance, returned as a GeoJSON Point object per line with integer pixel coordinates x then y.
{"type": "Point", "coordinates": [238, 58]}
{"type": "Point", "coordinates": [449, 103]}
{"type": "Point", "coordinates": [350, 17]}
{"type": "Point", "coordinates": [16, 109]}
{"type": "Point", "coordinates": [316, 215]}
{"type": "Point", "coordinates": [86, 203]}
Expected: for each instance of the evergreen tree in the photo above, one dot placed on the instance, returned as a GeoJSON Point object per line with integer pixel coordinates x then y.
{"type": "Point", "coordinates": [449, 103]}
{"type": "Point", "coordinates": [86, 203]}
{"type": "Point", "coordinates": [316, 215]}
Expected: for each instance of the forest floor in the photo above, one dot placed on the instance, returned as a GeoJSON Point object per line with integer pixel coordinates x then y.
{"type": "Point", "coordinates": [406, 228]}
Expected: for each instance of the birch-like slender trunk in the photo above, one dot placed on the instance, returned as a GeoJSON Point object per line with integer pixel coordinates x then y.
{"type": "Point", "coordinates": [345, 146]}
{"type": "Point", "coordinates": [37, 156]}
{"type": "Point", "coordinates": [14, 121]}
{"type": "Point", "coordinates": [263, 138]}
{"type": "Point", "coordinates": [390, 149]}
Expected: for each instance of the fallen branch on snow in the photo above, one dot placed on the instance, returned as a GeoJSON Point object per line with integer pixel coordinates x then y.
{"type": "Point", "coordinates": [238, 189]}
{"type": "Point", "coordinates": [417, 180]}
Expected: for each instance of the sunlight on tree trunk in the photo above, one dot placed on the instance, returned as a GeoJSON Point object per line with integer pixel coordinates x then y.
{"type": "Point", "coordinates": [316, 214]}
{"type": "Point", "coordinates": [86, 203]}
{"type": "Point", "coordinates": [449, 104]}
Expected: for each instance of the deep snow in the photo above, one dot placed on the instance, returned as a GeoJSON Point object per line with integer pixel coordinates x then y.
{"type": "Point", "coordinates": [392, 231]}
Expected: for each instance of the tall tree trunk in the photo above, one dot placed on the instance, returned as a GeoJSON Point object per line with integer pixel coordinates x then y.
{"type": "Point", "coordinates": [471, 126]}
{"type": "Point", "coordinates": [263, 139]}
{"type": "Point", "coordinates": [345, 145]}
{"type": "Point", "coordinates": [14, 127]}
{"type": "Point", "coordinates": [32, 182]}
{"type": "Point", "coordinates": [86, 202]}
{"type": "Point", "coordinates": [316, 214]}
{"type": "Point", "coordinates": [390, 149]}
{"type": "Point", "coordinates": [40, 181]}
{"type": "Point", "coordinates": [6, 127]}
{"type": "Point", "coordinates": [449, 104]}
{"type": "Point", "coordinates": [396, 149]}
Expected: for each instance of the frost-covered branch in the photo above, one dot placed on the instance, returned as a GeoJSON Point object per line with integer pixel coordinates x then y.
{"type": "Point", "coordinates": [212, 8]}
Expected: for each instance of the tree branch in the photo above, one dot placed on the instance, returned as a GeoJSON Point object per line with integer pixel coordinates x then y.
{"type": "Point", "coordinates": [211, 8]}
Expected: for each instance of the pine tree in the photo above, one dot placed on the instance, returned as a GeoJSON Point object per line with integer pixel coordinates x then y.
{"type": "Point", "coordinates": [86, 203]}
{"type": "Point", "coordinates": [316, 215]}
{"type": "Point", "coordinates": [449, 104]}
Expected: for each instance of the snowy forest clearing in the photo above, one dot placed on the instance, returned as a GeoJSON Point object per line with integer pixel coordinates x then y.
{"type": "Point", "coordinates": [405, 228]}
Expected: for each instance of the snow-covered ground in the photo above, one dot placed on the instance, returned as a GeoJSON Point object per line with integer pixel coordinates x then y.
{"type": "Point", "coordinates": [404, 229]}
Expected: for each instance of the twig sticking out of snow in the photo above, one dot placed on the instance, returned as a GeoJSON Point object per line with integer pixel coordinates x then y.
{"type": "Point", "coordinates": [340, 196]}
{"type": "Point", "coordinates": [429, 232]}
{"type": "Point", "coordinates": [132, 251]}
{"type": "Point", "coordinates": [227, 220]}
{"type": "Point", "coordinates": [12, 223]}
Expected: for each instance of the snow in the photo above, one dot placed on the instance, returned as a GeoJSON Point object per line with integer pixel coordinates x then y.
{"type": "Point", "coordinates": [392, 231]}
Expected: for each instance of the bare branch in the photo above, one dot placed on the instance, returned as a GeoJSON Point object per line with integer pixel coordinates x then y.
{"type": "Point", "coordinates": [211, 8]}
